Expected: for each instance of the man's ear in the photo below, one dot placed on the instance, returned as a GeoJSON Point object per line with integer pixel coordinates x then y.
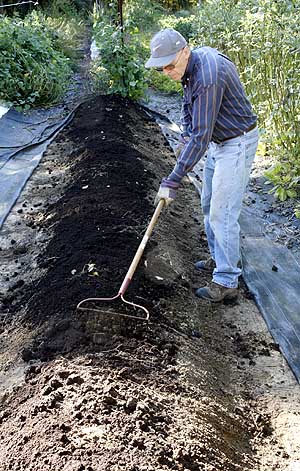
{"type": "Point", "coordinates": [187, 51]}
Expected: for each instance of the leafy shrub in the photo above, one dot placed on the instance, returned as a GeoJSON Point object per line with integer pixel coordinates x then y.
{"type": "Point", "coordinates": [64, 8]}
{"type": "Point", "coordinates": [32, 70]}
{"type": "Point", "coordinates": [68, 27]}
{"type": "Point", "coordinates": [186, 26]}
{"type": "Point", "coordinates": [285, 177]}
{"type": "Point", "coordinates": [175, 5]}
{"type": "Point", "coordinates": [142, 15]}
{"type": "Point", "coordinates": [119, 56]}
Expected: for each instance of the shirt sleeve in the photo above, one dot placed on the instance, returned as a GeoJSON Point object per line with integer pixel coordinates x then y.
{"type": "Point", "coordinates": [204, 114]}
{"type": "Point", "coordinates": [185, 119]}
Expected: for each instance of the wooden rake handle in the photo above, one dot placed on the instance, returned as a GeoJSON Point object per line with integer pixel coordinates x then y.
{"type": "Point", "coordinates": [141, 248]}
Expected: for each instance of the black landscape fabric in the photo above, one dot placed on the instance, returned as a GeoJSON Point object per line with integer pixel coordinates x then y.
{"type": "Point", "coordinates": [23, 140]}
{"type": "Point", "coordinates": [273, 275]}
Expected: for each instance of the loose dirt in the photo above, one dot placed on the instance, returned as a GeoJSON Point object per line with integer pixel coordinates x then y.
{"type": "Point", "coordinates": [89, 391]}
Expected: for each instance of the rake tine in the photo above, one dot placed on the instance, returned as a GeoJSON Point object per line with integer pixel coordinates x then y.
{"type": "Point", "coordinates": [114, 313]}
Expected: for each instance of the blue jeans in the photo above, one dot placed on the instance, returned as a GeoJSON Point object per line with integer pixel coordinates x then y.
{"type": "Point", "coordinates": [225, 177]}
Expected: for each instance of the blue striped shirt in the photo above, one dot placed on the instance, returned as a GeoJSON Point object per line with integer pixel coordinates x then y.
{"type": "Point", "coordinates": [215, 107]}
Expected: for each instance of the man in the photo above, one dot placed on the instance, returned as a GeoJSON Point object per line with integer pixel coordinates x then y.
{"type": "Point", "coordinates": [216, 115]}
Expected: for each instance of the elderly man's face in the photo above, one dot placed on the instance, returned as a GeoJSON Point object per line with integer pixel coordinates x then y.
{"type": "Point", "coordinates": [177, 68]}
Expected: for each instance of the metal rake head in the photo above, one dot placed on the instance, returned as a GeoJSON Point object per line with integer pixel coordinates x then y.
{"type": "Point", "coordinates": [81, 306]}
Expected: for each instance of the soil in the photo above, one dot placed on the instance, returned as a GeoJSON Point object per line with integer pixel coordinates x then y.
{"type": "Point", "coordinates": [85, 390]}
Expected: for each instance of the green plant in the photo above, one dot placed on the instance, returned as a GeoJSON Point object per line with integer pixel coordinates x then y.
{"type": "Point", "coordinates": [64, 8]}
{"type": "Point", "coordinates": [142, 15]}
{"type": "Point", "coordinates": [100, 77]}
{"type": "Point", "coordinates": [286, 180]}
{"type": "Point", "coordinates": [175, 5]}
{"type": "Point", "coordinates": [68, 34]}
{"type": "Point", "coordinates": [119, 56]}
{"type": "Point", "coordinates": [186, 26]}
{"type": "Point", "coordinates": [32, 70]}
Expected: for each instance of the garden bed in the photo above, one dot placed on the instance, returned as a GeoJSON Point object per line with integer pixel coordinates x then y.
{"type": "Point", "coordinates": [169, 394]}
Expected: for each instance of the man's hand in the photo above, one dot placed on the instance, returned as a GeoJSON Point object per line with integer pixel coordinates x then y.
{"type": "Point", "coordinates": [167, 194]}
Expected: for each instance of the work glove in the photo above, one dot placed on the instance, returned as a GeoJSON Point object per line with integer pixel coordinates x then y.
{"type": "Point", "coordinates": [165, 193]}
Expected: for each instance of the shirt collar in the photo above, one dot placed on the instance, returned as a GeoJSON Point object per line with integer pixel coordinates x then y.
{"type": "Point", "coordinates": [189, 68]}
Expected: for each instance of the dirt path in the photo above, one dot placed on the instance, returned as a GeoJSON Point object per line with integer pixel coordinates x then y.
{"type": "Point", "coordinates": [198, 388]}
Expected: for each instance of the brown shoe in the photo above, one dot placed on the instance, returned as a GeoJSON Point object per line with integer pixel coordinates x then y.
{"type": "Point", "coordinates": [207, 266]}
{"type": "Point", "coordinates": [216, 293]}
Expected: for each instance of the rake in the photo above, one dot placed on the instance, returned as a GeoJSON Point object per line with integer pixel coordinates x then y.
{"type": "Point", "coordinates": [128, 278]}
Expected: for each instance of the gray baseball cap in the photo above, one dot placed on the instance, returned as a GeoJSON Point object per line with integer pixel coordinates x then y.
{"type": "Point", "coordinates": [164, 46]}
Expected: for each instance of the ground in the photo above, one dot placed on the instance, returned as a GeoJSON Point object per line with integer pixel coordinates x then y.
{"type": "Point", "coordinates": [189, 390]}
